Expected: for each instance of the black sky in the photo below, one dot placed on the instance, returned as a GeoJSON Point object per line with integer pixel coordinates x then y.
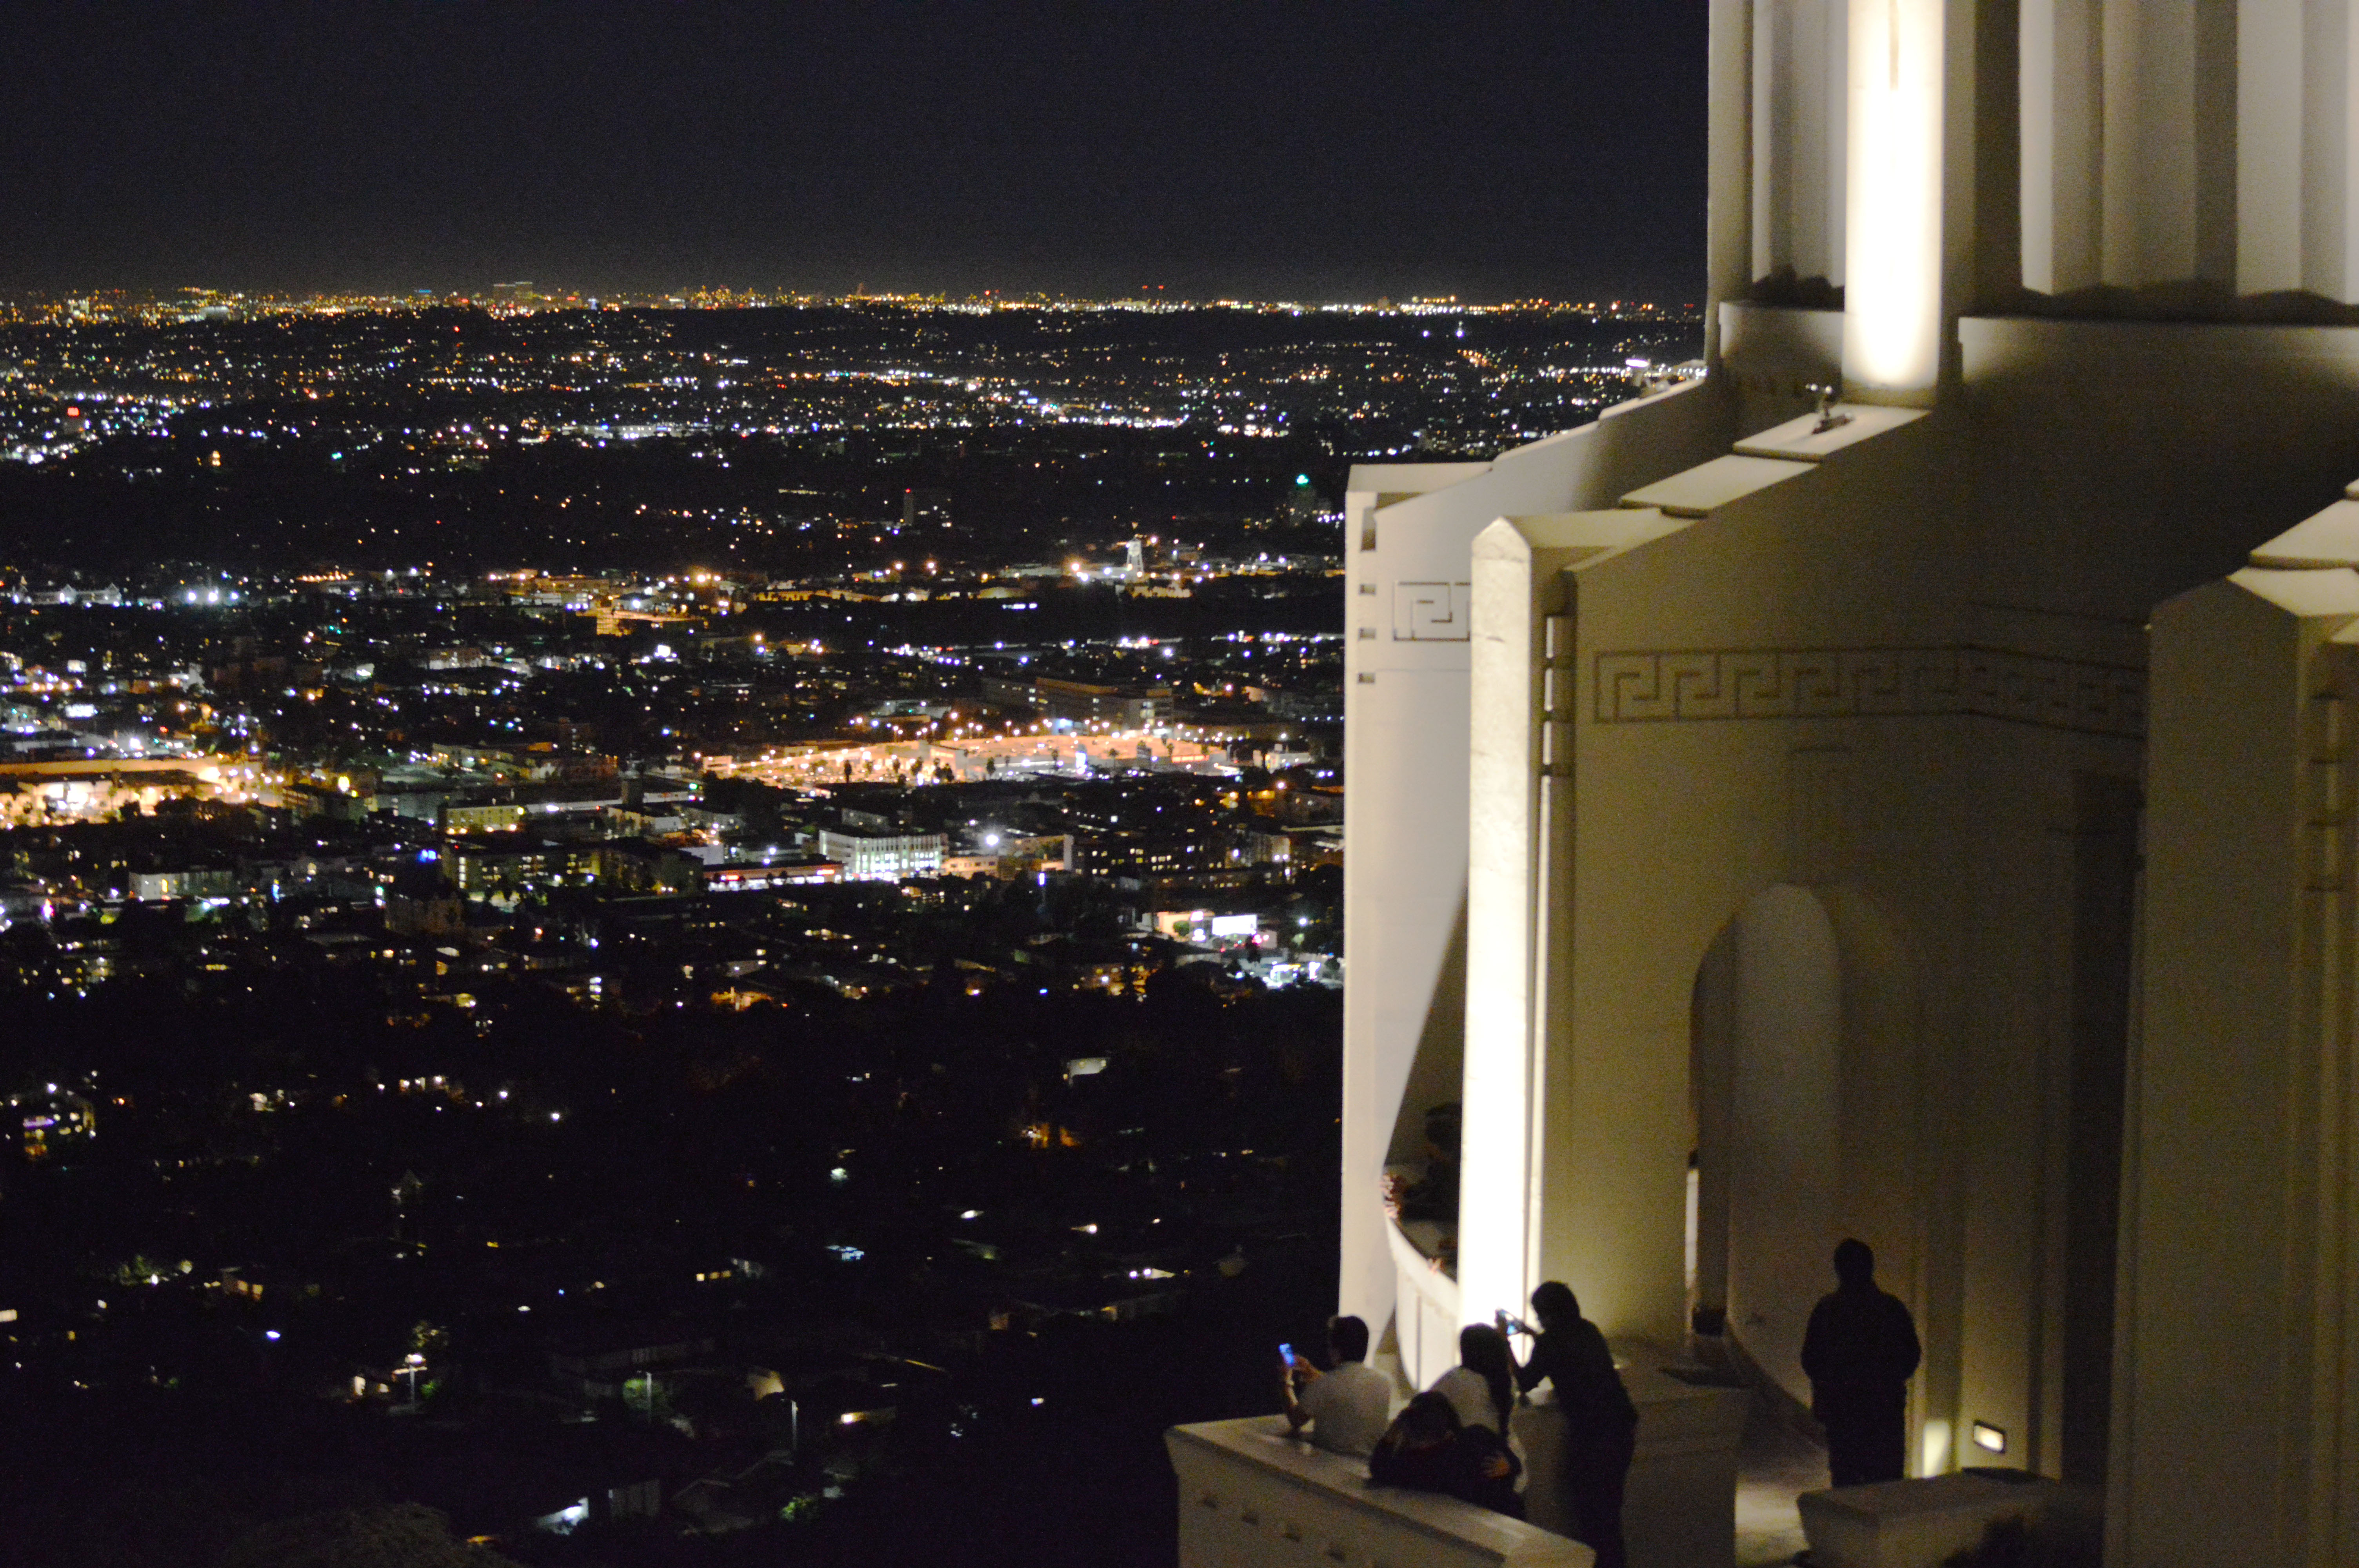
{"type": "Point", "coordinates": [1271, 149]}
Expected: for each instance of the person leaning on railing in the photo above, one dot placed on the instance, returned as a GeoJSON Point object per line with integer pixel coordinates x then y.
{"type": "Point", "coordinates": [1601, 1424]}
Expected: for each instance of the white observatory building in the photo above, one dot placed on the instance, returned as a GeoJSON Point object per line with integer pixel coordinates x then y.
{"type": "Point", "coordinates": [1930, 818]}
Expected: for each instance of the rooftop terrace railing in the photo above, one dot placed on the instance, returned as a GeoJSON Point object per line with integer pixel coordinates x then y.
{"type": "Point", "coordinates": [1425, 1300]}
{"type": "Point", "coordinates": [1251, 1495]}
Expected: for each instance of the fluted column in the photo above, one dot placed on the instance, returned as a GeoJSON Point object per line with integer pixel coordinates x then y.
{"type": "Point", "coordinates": [2061, 106]}
{"type": "Point", "coordinates": [2297, 180]}
{"type": "Point", "coordinates": [1799, 110]}
{"type": "Point", "coordinates": [2169, 158]}
{"type": "Point", "coordinates": [1728, 222]}
{"type": "Point", "coordinates": [2329, 194]}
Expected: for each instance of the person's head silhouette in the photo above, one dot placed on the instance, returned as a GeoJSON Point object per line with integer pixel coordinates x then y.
{"type": "Point", "coordinates": [1854, 1264]}
{"type": "Point", "coordinates": [1347, 1339]}
{"type": "Point", "coordinates": [1485, 1349]}
{"type": "Point", "coordinates": [1554, 1304]}
{"type": "Point", "coordinates": [1428, 1420]}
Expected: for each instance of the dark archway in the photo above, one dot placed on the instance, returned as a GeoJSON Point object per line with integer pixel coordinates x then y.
{"type": "Point", "coordinates": [1804, 1047]}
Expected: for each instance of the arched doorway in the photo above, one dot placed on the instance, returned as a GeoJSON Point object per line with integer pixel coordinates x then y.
{"type": "Point", "coordinates": [1803, 1044]}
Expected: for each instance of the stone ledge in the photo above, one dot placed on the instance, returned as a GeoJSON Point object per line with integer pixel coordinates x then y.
{"type": "Point", "coordinates": [1918, 1524]}
{"type": "Point", "coordinates": [1250, 1496]}
{"type": "Point", "coordinates": [1679, 1507]}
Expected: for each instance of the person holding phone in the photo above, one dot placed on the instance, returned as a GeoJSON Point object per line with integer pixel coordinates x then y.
{"type": "Point", "coordinates": [1601, 1423]}
{"type": "Point", "coordinates": [1346, 1409]}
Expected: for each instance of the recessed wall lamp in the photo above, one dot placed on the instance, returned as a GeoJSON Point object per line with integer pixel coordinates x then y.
{"type": "Point", "coordinates": [1991, 1437]}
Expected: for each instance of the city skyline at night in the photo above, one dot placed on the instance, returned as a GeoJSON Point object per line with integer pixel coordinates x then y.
{"type": "Point", "coordinates": [1324, 151]}
{"type": "Point", "coordinates": [787, 785]}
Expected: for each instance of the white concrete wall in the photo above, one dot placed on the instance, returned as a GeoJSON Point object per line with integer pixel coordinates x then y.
{"type": "Point", "coordinates": [1426, 1319]}
{"type": "Point", "coordinates": [1773, 356]}
{"type": "Point", "coordinates": [2237, 1414]}
{"type": "Point", "coordinates": [1597, 973]}
{"type": "Point", "coordinates": [2128, 461]}
{"type": "Point", "coordinates": [1785, 1131]}
{"type": "Point", "coordinates": [1761, 697]}
{"type": "Point", "coordinates": [1404, 858]}
{"type": "Point", "coordinates": [1252, 1497]}
{"type": "Point", "coordinates": [1405, 745]}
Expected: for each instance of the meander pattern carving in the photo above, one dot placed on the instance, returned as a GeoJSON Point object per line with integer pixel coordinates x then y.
{"type": "Point", "coordinates": [1662, 684]}
{"type": "Point", "coordinates": [2328, 807]}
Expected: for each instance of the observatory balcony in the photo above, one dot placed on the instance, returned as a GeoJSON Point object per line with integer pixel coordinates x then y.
{"type": "Point", "coordinates": [1425, 1320]}
{"type": "Point", "coordinates": [1252, 1497]}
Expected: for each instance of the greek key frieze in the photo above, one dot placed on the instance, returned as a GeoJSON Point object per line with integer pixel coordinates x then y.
{"type": "Point", "coordinates": [1652, 685]}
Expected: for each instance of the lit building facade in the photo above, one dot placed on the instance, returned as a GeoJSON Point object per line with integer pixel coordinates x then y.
{"type": "Point", "coordinates": [882, 856]}
{"type": "Point", "coordinates": [1106, 706]}
{"type": "Point", "coordinates": [1920, 808]}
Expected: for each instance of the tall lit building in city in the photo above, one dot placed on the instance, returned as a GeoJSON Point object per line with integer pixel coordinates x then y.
{"type": "Point", "coordinates": [1901, 784]}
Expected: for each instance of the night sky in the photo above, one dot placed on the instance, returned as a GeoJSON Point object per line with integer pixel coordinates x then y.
{"type": "Point", "coordinates": [1270, 150]}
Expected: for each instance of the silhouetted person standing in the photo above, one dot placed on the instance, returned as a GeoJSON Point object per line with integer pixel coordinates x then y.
{"type": "Point", "coordinates": [1859, 1355]}
{"type": "Point", "coordinates": [1601, 1424]}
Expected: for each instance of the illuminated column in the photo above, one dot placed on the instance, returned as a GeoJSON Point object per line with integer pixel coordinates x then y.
{"type": "Point", "coordinates": [1892, 322]}
{"type": "Point", "coordinates": [1512, 801]}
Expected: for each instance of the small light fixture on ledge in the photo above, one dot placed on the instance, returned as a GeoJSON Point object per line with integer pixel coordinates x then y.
{"type": "Point", "coordinates": [1829, 419]}
{"type": "Point", "coordinates": [1991, 1437]}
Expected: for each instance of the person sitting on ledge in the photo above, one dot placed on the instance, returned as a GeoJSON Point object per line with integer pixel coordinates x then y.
{"type": "Point", "coordinates": [1482, 1387]}
{"type": "Point", "coordinates": [1434, 1196]}
{"type": "Point", "coordinates": [1425, 1448]}
{"type": "Point", "coordinates": [1346, 1409]}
